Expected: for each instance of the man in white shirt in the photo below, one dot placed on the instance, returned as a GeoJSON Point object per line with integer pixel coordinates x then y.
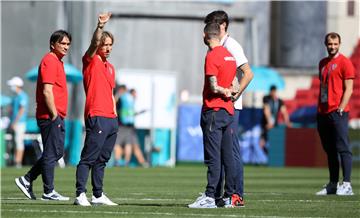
{"type": "Point", "coordinates": [244, 75]}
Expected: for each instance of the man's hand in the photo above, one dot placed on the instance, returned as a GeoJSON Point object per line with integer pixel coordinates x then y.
{"type": "Point", "coordinates": [269, 126]}
{"type": "Point", "coordinates": [103, 19]}
{"type": "Point", "coordinates": [54, 117]}
{"type": "Point", "coordinates": [227, 93]}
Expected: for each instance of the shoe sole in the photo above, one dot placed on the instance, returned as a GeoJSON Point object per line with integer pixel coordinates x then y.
{"type": "Point", "coordinates": [345, 194]}
{"type": "Point", "coordinates": [51, 199]}
{"type": "Point", "coordinates": [78, 204]}
{"type": "Point", "coordinates": [22, 188]}
{"type": "Point", "coordinates": [202, 207]}
{"type": "Point", "coordinates": [229, 206]}
{"type": "Point", "coordinates": [101, 204]}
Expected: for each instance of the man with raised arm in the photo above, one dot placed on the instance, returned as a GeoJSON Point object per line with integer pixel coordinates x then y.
{"type": "Point", "coordinates": [100, 116]}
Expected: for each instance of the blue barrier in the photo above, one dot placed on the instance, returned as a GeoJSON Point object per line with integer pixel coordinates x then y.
{"type": "Point", "coordinates": [75, 141]}
{"type": "Point", "coordinates": [162, 140]}
{"type": "Point", "coordinates": [277, 146]}
{"type": "Point", "coordinates": [251, 151]}
{"type": "Point", "coordinates": [189, 134]}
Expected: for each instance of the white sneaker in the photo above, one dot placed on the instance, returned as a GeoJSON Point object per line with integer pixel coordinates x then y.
{"type": "Point", "coordinates": [328, 189]}
{"type": "Point", "coordinates": [103, 200]}
{"type": "Point", "coordinates": [203, 202]}
{"type": "Point", "coordinates": [345, 189]}
{"type": "Point", "coordinates": [82, 200]}
{"type": "Point", "coordinates": [54, 196]}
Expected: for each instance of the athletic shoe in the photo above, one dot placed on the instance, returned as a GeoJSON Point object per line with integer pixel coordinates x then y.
{"type": "Point", "coordinates": [344, 189]}
{"type": "Point", "coordinates": [219, 202]}
{"type": "Point", "coordinates": [234, 201]}
{"type": "Point", "coordinates": [82, 200]}
{"type": "Point", "coordinates": [25, 187]}
{"type": "Point", "coordinates": [329, 189]}
{"type": "Point", "coordinates": [228, 203]}
{"type": "Point", "coordinates": [103, 200]}
{"type": "Point", "coordinates": [54, 196]}
{"type": "Point", "coordinates": [203, 202]}
{"type": "Point", "coordinates": [237, 200]}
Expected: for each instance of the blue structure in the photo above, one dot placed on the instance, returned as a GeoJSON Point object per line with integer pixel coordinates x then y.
{"type": "Point", "coordinates": [73, 75]}
{"type": "Point", "coordinates": [189, 134]}
{"type": "Point", "coordinates": [264, 77]}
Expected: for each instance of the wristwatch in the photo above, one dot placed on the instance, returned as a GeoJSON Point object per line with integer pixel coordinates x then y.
{"type": "Point", "coordinates": [340, 111]}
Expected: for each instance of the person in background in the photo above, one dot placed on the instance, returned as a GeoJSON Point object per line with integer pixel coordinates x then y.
{"type": "Point", "coordinates": [127, 141]}
{"type": "Point", "coordinates": [51, 110]}
{"type": "Point", "coordinates": [336, 74]}
{"type": "Point", "coordinates": [272, 106]}
{"type": "Point", "coordinates": [19, 109]}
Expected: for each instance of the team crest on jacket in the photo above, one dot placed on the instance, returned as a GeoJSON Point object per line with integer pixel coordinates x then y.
{"type": "Point", "coordinates": [333, 67]}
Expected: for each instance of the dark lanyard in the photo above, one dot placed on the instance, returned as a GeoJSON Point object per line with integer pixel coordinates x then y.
{"type": "Point", "coordinates": [329, 71]}
{"type": "Point", "coordinates": [274, 107]}
{"type": "Point", "coordinates": [330, 67]}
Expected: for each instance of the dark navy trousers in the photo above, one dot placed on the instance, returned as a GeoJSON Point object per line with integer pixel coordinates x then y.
{"type": "Point", "coordinates": [53, 136]}
{"type": "Point", "coordinates": [334, 135]}
{"type": "Point", "coordinates": [99, 143]}
{"type": "Point", "coordinates": [218, 151]}
{"type": "Point", "coordinates": [239, 166]}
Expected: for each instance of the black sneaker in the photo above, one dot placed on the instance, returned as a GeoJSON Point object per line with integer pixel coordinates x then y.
{"type": "Point", "coordinates": [25, 187]}
{"type": "Point", "coordinates": [219, 202]}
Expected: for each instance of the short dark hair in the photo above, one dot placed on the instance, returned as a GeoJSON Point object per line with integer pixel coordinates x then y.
{"type": "Point", "coordinates": [218, 17]}
{"type": "Point", "coordinates": [212, 30]}
{"type": "Point", "coordinates": [58, 36]}
{"type": "Point", "coordinates": [332, 35]}
{"type": "Point", "coordinates": [122, 86]}
{"type": "Point", "coordinates": [273, 88]}
{"type": "Point", "coordinates": [105, 35]}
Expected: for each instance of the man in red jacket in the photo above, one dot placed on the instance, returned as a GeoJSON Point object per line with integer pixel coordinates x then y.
{"type": "Point", "coordinates": [216, 117]}
{"type": "Point", "coordinates": [336, 74]}
{"type": "Point", "coordinates": [100, 116]}
{"type": "Point", "coordinates": [51, 109]}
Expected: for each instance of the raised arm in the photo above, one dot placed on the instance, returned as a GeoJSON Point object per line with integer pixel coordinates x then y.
{"type": "Point", "coordinates": [215, 88]}
{"type": "Point", "coordinates": [95, 41]}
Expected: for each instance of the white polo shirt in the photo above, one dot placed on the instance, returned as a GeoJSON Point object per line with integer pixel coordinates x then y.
{"type": "Point", "coordinates": [238, 53]}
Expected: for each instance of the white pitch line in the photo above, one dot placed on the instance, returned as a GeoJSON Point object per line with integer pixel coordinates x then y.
{"type": "Point", "coordinates": [151, 199]}
{"type": "Point", "coordinates": [146, 213]}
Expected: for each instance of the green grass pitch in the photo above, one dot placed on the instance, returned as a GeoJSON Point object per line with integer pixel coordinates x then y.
{"type": "Point", "coordinates": [165, 192]}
